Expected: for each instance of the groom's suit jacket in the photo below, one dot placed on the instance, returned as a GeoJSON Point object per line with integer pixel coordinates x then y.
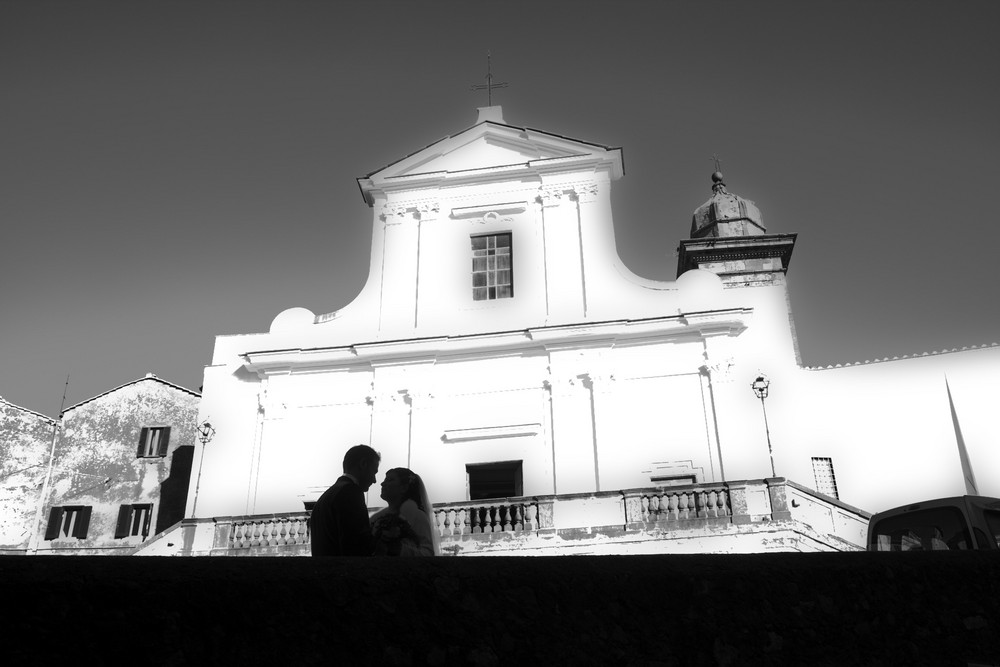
{"type": "Point", "coordinates": [339, 522]}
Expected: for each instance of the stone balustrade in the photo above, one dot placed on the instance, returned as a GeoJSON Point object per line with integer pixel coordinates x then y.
{"type": "Point", "coordinates": [745, 515]}
{"type": "Point", "coordinates": [490, 516]}
{"type": "Point", "coordinates": [676, 504]}
{"type": "Point", "coordinates": [276, 530]}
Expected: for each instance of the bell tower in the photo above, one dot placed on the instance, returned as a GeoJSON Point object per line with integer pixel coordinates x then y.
{"type": "Point", "coordinates": [729, 239]}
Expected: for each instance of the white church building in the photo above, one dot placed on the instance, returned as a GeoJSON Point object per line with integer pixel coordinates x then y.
{"type": "Point", "coordinates": [553, 401]}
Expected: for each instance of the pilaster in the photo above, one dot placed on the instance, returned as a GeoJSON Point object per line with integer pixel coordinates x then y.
{"type": "Point", "coordinates": [574, 452]}
{"type": "Point", "coordinates": [402, 225]}
{"type": "Point", "coordinates": [563, 259]}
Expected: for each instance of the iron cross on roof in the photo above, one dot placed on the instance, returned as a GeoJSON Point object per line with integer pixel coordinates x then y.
{"type": "Point", "coordinates": [489, 85]}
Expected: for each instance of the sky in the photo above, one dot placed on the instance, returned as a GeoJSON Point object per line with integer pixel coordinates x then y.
{"type": "Point", "coordinates": [173, 171]}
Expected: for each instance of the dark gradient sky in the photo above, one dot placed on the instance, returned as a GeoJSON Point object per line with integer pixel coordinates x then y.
{"type": "Point", "coordinates": [170, 171]}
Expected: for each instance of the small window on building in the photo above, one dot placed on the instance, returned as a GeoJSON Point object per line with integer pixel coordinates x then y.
{"type": "Point", "coordinates": [494, 480]}
{"type": "Point", "coordinates": [826, 481]}
{"type": "Point", "coordinates": [134, 520]}
{"type": "Point", "coordinates": [492, 272]}
{"type": "Point", "coordinates": [68, 521]}
{"type": "Point", "coordinates": [153, 442]}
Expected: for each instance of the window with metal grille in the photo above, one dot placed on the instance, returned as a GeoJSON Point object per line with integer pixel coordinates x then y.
{"type": "Point", "coordinates": [68, 521]}
{"type": "Point", "coordinates": [492, 272]}
{"type": "Point", "coordinates": [826, 481]}
{"type": "Point", "coordinates": [134, 520]}
{"type": "Point", "coordinates": [153, 442]}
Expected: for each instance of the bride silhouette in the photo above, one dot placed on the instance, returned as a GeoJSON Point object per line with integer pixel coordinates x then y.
{"type": "Point", "coordinates": [406, 527]}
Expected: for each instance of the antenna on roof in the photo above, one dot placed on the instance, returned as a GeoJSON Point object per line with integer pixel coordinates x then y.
{"type": "Point", "coordinates": [489, 85]}
{"type": "Point", "coordinates": [63, 404]}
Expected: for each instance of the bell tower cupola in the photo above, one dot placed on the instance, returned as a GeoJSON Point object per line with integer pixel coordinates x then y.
{"type": "Point", "coordinates": [729, 239]}
{"type": "Point", "coordinates": [726, 215]}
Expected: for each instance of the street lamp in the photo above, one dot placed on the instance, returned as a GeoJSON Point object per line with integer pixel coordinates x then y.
{"type": "Point", "coordinates": [205, 434]}
{"type": "Point", "coordinates": [759, 387]}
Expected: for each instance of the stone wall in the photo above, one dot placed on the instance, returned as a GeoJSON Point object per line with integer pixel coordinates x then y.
{"type": "Point", "coordinates": [25, 441]}
{"type": "Point", "coordinates": [932, 608]}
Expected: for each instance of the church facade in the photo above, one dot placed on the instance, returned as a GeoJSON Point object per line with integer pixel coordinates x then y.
{"type": "Point", "coordinates": [502, 350]}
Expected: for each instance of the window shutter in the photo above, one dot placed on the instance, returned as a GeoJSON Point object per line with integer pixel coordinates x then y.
{"type": "Point", "coordinates": [55, 519]}
{"type": "Point", "coordinates": [164, 439]}
{"type": "Point", "coordinates": [145, 524]}
{"type": "Point", "coordinates": [141, 450]}
{"type": "Point", "coordinates": [82, 522]}
{"type": "Point", "coordinates": [121, 528]}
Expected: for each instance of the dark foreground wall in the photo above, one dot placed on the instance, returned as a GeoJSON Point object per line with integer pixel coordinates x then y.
{"type": "Point", "coordinates": [787, 609]}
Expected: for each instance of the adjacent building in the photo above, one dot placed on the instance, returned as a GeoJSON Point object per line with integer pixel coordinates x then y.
{"type": "Point", "coordinates": [105, 478]}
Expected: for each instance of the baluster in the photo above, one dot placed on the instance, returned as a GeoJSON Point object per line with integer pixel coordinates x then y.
{"type": "Point", "coordinates": [682, 506]}
{"type": "Point", "coordinates": [672, 513]}
{"type": "Point", "coordinates": [238, 535]}
{"type": "Point", "coordinates": [235, 535]}
{"type": "Point", "coordinates": [265, 533]}
{"type": "Point", "coordinates": [283, 534]}
{"type": "Point", "coordinates": [724, 503]}
{"type": "Point", "coordinates": [507, 512]}
{"type": "Point", "coordinates": [700, 498]}
{"type": "Point", "coordinates": [244, 537]}
{"type": "Point", "coordinates": [461, 522]}
{"type": "Point", "coordinates": [654, 508]}
{"type": "Point", "coordinates": [293, 532]}
{"type": "Point", "coordinates": [495, 526]}
{"type": "Point", "coordinates": [713, 507]}
{"type": "Point", "coordinates": [518, 517]}
{"type": "Point", "coordinates": [531, 517]}
{"type": "Point", "coordinates": [475, 525]}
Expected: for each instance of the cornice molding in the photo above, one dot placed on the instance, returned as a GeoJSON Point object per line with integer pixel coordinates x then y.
{"type": "Point", "coordinates": [728, 322]}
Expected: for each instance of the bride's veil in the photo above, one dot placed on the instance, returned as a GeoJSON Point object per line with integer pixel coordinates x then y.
{"type": "Point", "coordinates": [425, 504]}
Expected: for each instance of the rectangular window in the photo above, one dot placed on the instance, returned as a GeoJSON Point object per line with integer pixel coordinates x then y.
{"type": "Point", "coordinates": [826, 481]}
{"type": "Point", "coordinates": [134, 520]}
{"type": "Point", "coordinates": [492, 270]}
{"type": "Point", "coordinates": [68, 521]}
{"type": "Point", "coordinates": [153, 442]}
{"type": "Point", "coordinates": [495, 480]}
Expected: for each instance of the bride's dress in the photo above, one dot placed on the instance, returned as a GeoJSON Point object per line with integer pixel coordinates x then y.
{"type": "Point", "coordinates": [410, 528]}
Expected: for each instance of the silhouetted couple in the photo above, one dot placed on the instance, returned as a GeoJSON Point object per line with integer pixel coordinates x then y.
{"type": "Point", "coordinates": [340, 526]}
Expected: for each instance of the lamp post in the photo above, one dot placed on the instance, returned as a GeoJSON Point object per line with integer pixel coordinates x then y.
{"type": "Point", "coordinates": [759, 387]}
{"type": "Point", "coordinates": [205, 434]}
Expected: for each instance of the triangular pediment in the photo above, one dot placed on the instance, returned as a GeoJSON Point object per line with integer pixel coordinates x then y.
{"type": "Point", "coordinates": [489, 145]}
{"type": "Point", "coordinates": [490, 149]}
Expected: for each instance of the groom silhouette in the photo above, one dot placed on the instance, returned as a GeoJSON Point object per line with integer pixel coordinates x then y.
{"type": "Point", "coordinates": [339, 521]}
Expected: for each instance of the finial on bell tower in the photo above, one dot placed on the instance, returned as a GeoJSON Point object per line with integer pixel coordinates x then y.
{"type": "Point", "coordinates": [717, 183]}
